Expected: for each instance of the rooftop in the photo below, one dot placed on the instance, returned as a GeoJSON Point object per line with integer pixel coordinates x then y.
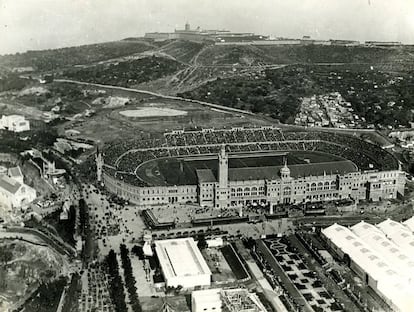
{"type": "Point", "coordinates": [9, 184]}
{"type": "Point", "coordinates": [180, 257]}
{"type": "Point", "coordinates": [296, 171]}
{"type": "Point", "coordinates": [15, 172]}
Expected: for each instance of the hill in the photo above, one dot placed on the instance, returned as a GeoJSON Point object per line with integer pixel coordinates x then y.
{"type": "Point", "coordinates": [46, 60]}
{"type": "Point", "coordinates": [126, 73]}
{"type": "Point", "coordinates": [383, 98]}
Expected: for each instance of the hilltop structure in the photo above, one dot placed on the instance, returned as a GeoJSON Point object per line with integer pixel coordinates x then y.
{"type": "Point", "coordinates": [199, 34]}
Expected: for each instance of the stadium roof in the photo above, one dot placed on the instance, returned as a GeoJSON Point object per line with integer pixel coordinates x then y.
{"type": "Point", "coordinates": [409, 224]}
{"type": "Point", "coordinates": [180, 257]}
{"type": "Point", "coordinates": [205, 176]}
{"type": "Point", "coordinates": [296, 171]}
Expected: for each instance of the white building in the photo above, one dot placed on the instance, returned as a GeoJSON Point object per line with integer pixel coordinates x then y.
{"type": "Point", "coordinates": [208, 300]}
{"type": "Point", "coordinates": [231, 300]}
{"type": "Point", "coordinates": [14, 194]}
{"type": "Point", "coordinates": [383, 264]}
{"type": "Point", "coordinates": [15, 123]}
{"type": "Point", "coordinates": [409, 224]}
{"type": "Point", "coordinates": [182, 263]}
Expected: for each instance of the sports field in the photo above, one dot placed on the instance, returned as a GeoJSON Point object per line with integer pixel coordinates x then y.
{"type": "Point", "coordinates": [182, 170]}
{"type": "Point", "coordinates": [152, 112]}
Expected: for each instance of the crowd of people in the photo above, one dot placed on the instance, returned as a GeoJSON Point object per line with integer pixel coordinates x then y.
{"type": "Point", "coordinates": [127, 155]}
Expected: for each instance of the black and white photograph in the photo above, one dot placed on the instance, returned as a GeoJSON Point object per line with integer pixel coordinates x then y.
{"type": "Point", "coordinates": [206, 156]}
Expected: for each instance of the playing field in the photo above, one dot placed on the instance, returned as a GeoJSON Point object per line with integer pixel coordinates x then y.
{"type": "Point", "coordinates": [182, 170]}
{"type": "Point", "coordinates": [152, 112]}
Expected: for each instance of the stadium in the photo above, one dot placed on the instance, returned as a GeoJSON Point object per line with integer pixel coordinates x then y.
{"type": "Point", "coordinates": [238, 166]}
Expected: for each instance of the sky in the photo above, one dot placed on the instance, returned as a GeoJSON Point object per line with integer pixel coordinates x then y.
{"type": "Point", "coordinates": [45, 24]}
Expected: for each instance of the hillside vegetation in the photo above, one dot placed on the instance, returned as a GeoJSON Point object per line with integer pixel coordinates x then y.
{"type": "Point", "coordinates": [45, 60]}
{"type": "Point", "coordinates": [380, 97]}
{"type": "Point", "coordinates": [126, 73]}
{"type": "Point", "coordinates": [182, 51]}
{"type": "Point", "coordinates": [293, 54]}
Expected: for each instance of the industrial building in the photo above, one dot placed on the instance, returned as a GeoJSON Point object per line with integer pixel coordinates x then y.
{"type": "Point", "coordinates": [182, 263]}
{"type": "Point", "coordinates": [380, 257]}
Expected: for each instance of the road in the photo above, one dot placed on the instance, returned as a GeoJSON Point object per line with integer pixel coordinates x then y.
{"type": "Point", "coordinates": [168, 97]}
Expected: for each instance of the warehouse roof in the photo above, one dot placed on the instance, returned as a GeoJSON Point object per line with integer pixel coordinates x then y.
{"type": "Point", "coordinates": [392, 279]}
{"type": "Point", "coordinates": [399, 234]}
{"type": "Point", "coordinates": [397, 257]}
{"type": "Point", "coordinates": [409, 224]}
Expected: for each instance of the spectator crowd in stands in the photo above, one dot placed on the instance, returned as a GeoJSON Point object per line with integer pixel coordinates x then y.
{"type": "Point", "coordinates": [122, 159]}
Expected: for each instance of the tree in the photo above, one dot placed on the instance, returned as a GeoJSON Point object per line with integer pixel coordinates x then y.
{"type": "Point", "coordinates": [202, 244]}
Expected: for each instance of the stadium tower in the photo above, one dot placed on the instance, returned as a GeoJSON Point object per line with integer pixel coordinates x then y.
{"type": "Point", "coordinates": [222, 191]}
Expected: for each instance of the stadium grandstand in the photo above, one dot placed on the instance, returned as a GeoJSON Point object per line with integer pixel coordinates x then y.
{"type": "Point", "coordinates": [183, 166]}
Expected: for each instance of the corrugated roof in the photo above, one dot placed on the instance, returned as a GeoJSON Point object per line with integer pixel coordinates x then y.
{"type": "Point", "coordinates": [399, 234]}
{"type": "Point", "coordinates": [392, 279]}
{"type": "Point", "coordinates": [409, 224]}
{"type": "Point", "coordinates": [397, 257]}
{"type": "Point", "coordinates": [9, 184]}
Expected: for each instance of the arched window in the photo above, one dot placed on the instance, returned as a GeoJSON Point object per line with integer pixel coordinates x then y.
{"type": "Point", "coordinates": [254, 191]}
{"type": "Point", "coordinates": [333, 185]}
{"type": "Point", "coordinates": [233, 192]}
{"type": "Point", "coordinates": [313, 187]}
{"type": "Point", "coordinates": [261, 190]}
{"type": "Point", "coordinates": [247, 191]}
{"type": "Point", "coordinates": [239, 191]}
{"type": "Point", "coordinates": [326, 186]}
{"type": "Point", "coordinates": [320, 186]}
{"type": "Point", "coordinates": [287, 191]}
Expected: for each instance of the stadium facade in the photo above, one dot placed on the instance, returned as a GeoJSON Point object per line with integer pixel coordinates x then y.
{"type": "Point", "coordinates": [270, 185]}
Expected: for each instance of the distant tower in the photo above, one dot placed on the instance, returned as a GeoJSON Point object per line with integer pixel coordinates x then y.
{"type": "Point", "coordinates": [99, 165]}
{"type": "Point", "coordinates": [223, 183]}
{"type": "Point", "coordinates": [187, 26]}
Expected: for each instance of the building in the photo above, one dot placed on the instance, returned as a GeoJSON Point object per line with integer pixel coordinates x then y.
{"type": "Point", "coordinates": [275, 185]}
{"type": "Point", "coordinates": [200, 35]}
{"type": "Point", "coordinates": [13, 192]}
{"type": "Point", "coordinates": [409, 224]}
{"type": "Point", "coordinates": [182, 263]}
{"type": "Point", "coordinates": [208, 300]}
{"type": "Point", "coordinates": [229, 300]}
{"type": "Point", "coordinates": [15, 123]}
{"type": "Point", "coordinates": [383, 264]}
{"type": "Point", "coordinates": [267, 185]}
